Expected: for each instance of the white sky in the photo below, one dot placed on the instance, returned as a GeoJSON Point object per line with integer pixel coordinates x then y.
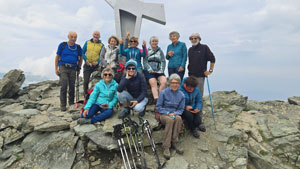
{"type": "Point", "coordinates": [256, 42]}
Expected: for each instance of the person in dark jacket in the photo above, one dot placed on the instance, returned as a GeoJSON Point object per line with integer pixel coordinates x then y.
{"type": "Point", "coordinates": [193, 104]}
{"type": "Point", "coordinates": [132, 90]}
{"type": "Point", "coordinates": [198, 55]}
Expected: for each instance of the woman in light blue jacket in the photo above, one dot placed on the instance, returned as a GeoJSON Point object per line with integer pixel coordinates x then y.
{"type": "Point", "coordinates": [103, 99]}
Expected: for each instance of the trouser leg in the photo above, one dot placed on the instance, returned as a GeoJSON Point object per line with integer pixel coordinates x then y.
{"type": "Point", "coordinates": [176, 128]}
{"type": "Point", "coordinates": [86, 78]}
{"type": "Point", "coordinates": [189, 117]}
{"type": "Point", "coordinates": [72, 80]}
{"type": "Point", "coordinates": [168, 122]}
{"type": "Point", "coordinates": [64, 80]}
{"type": "Point", "coordinates": [105, 113]}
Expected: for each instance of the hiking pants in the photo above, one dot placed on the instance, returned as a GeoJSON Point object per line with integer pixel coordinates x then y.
{"type": "Point", "coordinates": [172, 129]}
{"type": "Point", "coordinates": [175, 70]}
{"type": "Point", "coordinates": [87, 71]}
{"type": "Point", "coordinates": [67, 79]}
{"type": "Point", "coordinates": [92, 114]}
{"type": "Point", "coordinates": [193, 119]}
{"type": "Point", "coordinates": [125, 97]}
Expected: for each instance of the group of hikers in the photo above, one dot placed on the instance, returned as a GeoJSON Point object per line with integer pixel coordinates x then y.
{"type": "Point", "coordinates": [125, 69]}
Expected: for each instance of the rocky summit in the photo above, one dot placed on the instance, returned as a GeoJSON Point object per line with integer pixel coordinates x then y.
{"type": "Point", "coordinates": [34, 133]}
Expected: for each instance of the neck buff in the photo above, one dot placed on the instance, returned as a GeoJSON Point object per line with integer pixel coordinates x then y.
{"type": "Point", "coordinates": [185, 87]}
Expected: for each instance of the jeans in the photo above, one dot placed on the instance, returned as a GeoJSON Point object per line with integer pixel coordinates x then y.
{"type": "Point", "coordinates": [92, 114]}
{"type": "Point", "coordinates": [175, 70]}
{"type": "Point", "coordinates": [125, 97]}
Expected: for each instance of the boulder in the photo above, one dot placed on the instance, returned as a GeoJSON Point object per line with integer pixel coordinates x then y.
{"type": "Point", "coordinates": [56, 149]}
{"type": "Point", "coordinates": [10, 135]}
{"type": "Point", "coordinates": [102, 140]}
{"type": "Point", "coordinates": [10, 83]}
{"type": "Point", "coordinates": [27, 112]}
{"type": "Point", "coordinates": [294, 100]}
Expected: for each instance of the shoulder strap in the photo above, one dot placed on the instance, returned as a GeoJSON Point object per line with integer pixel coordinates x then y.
{"type": "Point", "coordinates": [62, 47]}
{"type": "Point", "coordinates": [78, 52]}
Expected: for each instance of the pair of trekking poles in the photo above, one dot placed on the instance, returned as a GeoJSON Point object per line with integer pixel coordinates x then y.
{"type": "Point", "coordinates": [130, 129]}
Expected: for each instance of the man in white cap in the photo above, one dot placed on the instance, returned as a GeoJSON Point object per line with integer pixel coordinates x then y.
{"type": "Point", "coordinates": [198, 55]}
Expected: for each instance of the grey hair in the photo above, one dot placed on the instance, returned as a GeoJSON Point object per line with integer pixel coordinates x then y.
{"type": "Point", "coordinates": [174, 32]}
{"type": "Point", "coordinates": [153, 38]}
{"type": "Point", "coordinates": [174, 76]}
{"type": "Point", "coordinates": [107, 70]}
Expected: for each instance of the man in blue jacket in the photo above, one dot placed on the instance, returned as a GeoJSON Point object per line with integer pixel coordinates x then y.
{"type": "Point", "coordinates": [193, 104]}
{"type": "Point", "coordinates": [68, 62]}
{"type": "Point", "coordinates": [132, 90]}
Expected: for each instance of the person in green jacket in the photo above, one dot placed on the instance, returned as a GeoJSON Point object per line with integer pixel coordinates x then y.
{"type": "Point", "coordinates": [103, 99]}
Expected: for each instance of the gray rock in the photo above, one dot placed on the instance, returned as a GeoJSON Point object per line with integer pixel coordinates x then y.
{"type": "Point", "coordinates": [92, 146]}
{"type": "Point", "coordinates": [1, 143]}
{"type": "Point", "coordinates": [151, 161]}
{"type": "Point", "coordinates": [9, 162]}
{"type": "Point", "coordinates": [227, 98]}
{"type": "Point", "coordinates": [226, 117]}
{"type": "Point", "coordinates": [11, 135]}
{"type": "Point", "coordinates": [228, 134]}
{"type": "Point", "coordinates": [223, 153]}
{"type": "Point", "coordinates": [80, 150]}
{"type": "Point", "coordinates": [16, 122]}
{"type": "Point", "coordinates": [27, 112]}
{"type": "Point", "coordinates": [294, 100]}
{"type": "Point", "coordinates": [81, 165]}
{"type": "Point", "coordinates": [102, 140]}
{"type": "Point", "coordinates": [39, 148]}
{"type": "Point", "coordinates": [53, 126]}
{"type": "Point", "coordinates": [240, 162]}
{"type": "Point", "coordinates": [282, 128]}
{"type": "Point", "coordinates": [259, 162]}
{"type": "Point", "coordinates": [12, 108]}
{"type": "Point", "coordinates": [81, 130]}
{"type": "Point", "coordinates": [177, 162]}
{"type": "Point", "coordinates": [203, 147]}
{"type": "Point", "coordinates": [10, 83]}
{"type": "Point", "coordinates": [10, 151]}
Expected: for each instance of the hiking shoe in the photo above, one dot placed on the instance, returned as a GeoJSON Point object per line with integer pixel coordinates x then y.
{"type": "Point", "coordinates": [124, 113]}
{"type": "Point", "coordinates": [82, 121]}
{"type": "Point", "coordinates": [202, 128]}
{"type": "Point", "coordinates": [76, 116]}
{"type": "Point", "coordinates": [63, 108]}
{"type": "Point", "coordinates": [166, 153]}
{"type": "Point", "coordinates": [178, 149]}
{"type": "Point", "coordinates": [195, 133]}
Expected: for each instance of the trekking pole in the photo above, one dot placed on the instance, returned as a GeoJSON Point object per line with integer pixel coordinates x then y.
{"type": "Point", "coordinates": [140, 142]}
{"type": "Point", "coordinates": [211, 104]}
{"type": "Point", "coordinates": [127, 130]}
{"type": "Point", "coordinates": [134, 130]}
{"type": "Point", "coordinates": [117, 134]}
{"type": "Point", "coordinates": [77, 91]}
{"type": "Point", "coordinates": [146, 126]}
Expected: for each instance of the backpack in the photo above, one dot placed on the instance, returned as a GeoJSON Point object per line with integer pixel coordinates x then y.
{"type": "Point", "coordinates": [64, 46]}
{"type": "Point", "coordinates": [86, 98]}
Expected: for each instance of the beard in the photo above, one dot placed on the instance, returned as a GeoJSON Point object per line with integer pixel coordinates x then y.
{"type": "Point", "coordinates": [195, 42]}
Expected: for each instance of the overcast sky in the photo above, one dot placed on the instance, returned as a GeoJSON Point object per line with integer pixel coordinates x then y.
{"type": "Point", "coordinates": [256, 42]}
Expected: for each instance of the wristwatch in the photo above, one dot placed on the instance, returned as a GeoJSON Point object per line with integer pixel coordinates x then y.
{"type": "Point", "coordinates": [210, 70]}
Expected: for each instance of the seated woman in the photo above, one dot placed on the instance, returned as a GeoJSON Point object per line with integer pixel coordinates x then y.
{"type": "Point", "coordinates": [154, 68]}
{"type": "Point", "coordinates": [170, 105]}
{"type": "Point", "coordinates": [132, 90]}
{"type": "Point", "coordinates": [103, 99]}
{"type": "Point", "coordinates": [193, 104]}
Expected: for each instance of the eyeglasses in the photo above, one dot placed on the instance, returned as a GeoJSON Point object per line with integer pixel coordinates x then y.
{"type": "Point", "coordinates": [131, 68]}
{"type": "Point", "coordinates": [175, 83]}
{"type": "Point", "coordinates": [107, 74]}
{"type": "Point", "coordinates": [133, 41]}
{"type": "Point", "coordinates": [193, 38]}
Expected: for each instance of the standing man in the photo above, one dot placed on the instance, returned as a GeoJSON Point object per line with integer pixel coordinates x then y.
{"type": "Point", "coordinates": [91, 55]}
{"type": "Point", "coordinates": [68, 62]}
{"type": "Point", "coordinates": [199, 54]}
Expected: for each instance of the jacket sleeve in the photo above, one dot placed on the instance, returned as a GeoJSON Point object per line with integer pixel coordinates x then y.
{"type": "Point", "coordinates": [181, 105]}
{"type": "Point", "coordinates": [184, 52]}
{"type": "Point", "coordinates": [92, 98]}
{"type": "Point", "coordinates": [163, 61]}
{"type": "Point", "coordinates": [160, 104]}
{"type": "Point", "coordinates": [198, 101]}
{"type": "Point", "coordinates": [122, 50]}
{"type": "Point", "coordinates": [146, 64]}
{"type": "Point", "coordinates": [122, 84]}
{"type": "Point", "coordinates": [84, 50]}
{"type": "Point", "coordinates": [210, 55]}
{"type": "Point", "coordinates": [103, 62]}
{"type": "Point", "coordinates": [167, 56]}
{"type": "Point", "coordinates": [145, 51]}
{"type": "Point", "coordinates": [114, 101]}
{"type": "Point", "coordinates": [143, 86]}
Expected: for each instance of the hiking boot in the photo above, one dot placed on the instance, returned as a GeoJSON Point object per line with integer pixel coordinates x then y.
{"type": "Point", "coordinates": [82, 121]}
{"type": "Point", "coordinates": [124, 113]}
{"type": "Point", "coordinates": [166, 153]}
{"type": "Point", "coordinates": [63, 108]}
{"type": "Point", "coordinates": [142, 114]}
{"type": "Point", "coordinates": [202, 128]}
{"type": "Point", "coordinates": [178, 149]}
{"type": "Point", "coordinates": [195, 133]}
{"type": "Point", "coordinates": [76, 116]}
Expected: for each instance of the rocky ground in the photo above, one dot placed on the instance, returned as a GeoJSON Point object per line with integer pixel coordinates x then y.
{"type": "Point", "coordinates": [34, 133]}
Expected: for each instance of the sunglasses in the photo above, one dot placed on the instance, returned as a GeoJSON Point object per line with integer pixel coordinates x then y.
{"type": "Point", "coordinates": [133, 41]}
{"type": "Point", "coordinates": [131, 68]}
{"type": "Point", "coordinates": [107, 74]}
